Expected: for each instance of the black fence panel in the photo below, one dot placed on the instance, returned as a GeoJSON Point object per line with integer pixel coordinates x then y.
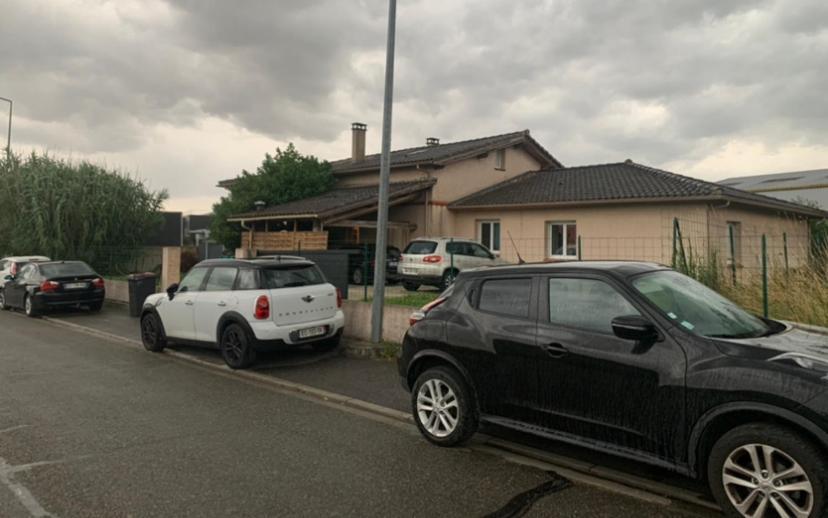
{"type": "Point", "coordinates": [333, 263]}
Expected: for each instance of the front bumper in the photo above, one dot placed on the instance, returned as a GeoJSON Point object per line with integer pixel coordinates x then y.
{"type": "Point", "coordinates": [267, 331]}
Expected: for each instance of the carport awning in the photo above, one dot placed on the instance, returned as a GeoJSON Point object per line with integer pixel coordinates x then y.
{"type": "Point", "coordinates": [337, 204]}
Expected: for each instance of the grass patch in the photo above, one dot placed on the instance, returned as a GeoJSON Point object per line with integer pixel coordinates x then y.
{"type": "Point", "coordinates": [415, 299]}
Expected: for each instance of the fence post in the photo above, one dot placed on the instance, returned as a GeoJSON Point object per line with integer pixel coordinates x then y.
{"type": "Point", "coordinates": [678, 251]}
{"type": "Point", "coordinates": [675, 233]}
{"type": "Point", "coordinates": [365, 272]}
{"type": "Point", "coordinates": [451, 242]}
{"type": "Point", "coordinates": [785, 246]}
{"type": "Point", "coordinates": [580, 250]}
{"type": "Point", "coordinates": [732, 253]}
{"type": "Point", "coordinates": [765, 275]}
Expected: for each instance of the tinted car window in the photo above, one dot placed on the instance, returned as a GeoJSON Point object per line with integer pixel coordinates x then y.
{"type": "Point", "coordinates": [509, 297]}
{"type": "Point", "coordinates": [193, 280]}
{"type": "Point", "coordinates": [479, 251]}
{"type": "Point", "coordinates": [221, 279]}
{"type": "Point", "coordinates": [247, 280]}
{"type": "Point", "coordinates": [28, 272]}
{"type": "Point", "coordinates": [420, 247]}
{"type": "Point", "coordinates": [292, 277]}
{"type": "Point", "coordinates": [65, 269]}
{"type": "Point", "coordinates": [586, 304]}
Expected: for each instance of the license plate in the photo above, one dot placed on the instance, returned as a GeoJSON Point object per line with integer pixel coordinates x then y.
{"type": "Point", "coordinates": [312, 331]}
{"type": "Point", "coordinates": [409, 270]}
{"type": "Point", "coordinates": [393, 263]}
{"type": "Point", "coordinates": [75, 285]}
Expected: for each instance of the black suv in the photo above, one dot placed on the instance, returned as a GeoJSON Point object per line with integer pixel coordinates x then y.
{"type": "Point", "coordinates": [636, 360]}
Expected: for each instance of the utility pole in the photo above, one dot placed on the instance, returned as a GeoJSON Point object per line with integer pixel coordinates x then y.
{"type": "Point", "coordinates": [385, 175]}
{"type": "Point", "coordinates": [8, 135]}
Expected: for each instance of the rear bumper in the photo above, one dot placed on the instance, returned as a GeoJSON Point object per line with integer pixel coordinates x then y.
{"type": "Point", "coordinates": [431, 280]}
{"type": "Point", "coordinates": [54, 300]}
{"type": "Point", "coordinates": [268, 332]}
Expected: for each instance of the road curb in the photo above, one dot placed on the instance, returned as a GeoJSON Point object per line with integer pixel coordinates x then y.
{"type": "Point", "coordinates": [606, 478]}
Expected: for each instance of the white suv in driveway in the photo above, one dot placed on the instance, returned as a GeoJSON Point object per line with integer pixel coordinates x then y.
{"type": "Point", "coordinates": [244, 306]}
{"type": "Point", "coordinates": [436, 261]}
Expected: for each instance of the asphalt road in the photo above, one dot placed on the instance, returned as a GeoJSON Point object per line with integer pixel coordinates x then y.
{"type": "Point", "coordinates": [90, 428]}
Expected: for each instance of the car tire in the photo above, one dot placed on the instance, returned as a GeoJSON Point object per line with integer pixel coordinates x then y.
{"type": "Point", "coordinates": [236, 347]}
{"type": "Point", "coordinates": [745, 481]}
{"type": "Point", "coordinates": [457, 407]}
{"type": "Point", "coordinates": [410, 286]}
{"type": "Point", "coordinates": [3, 306]}
{"type": "Point", "coordinates": [449, 276]}
{"type": "Point", "coordinates": [152, 333]}
{"type": "Point", "coordinates": [28, 307]}
{"type": "Point", "coordinates": [95, 307]}
{"type": "Point", "coordinates": [329, 344]}
{"type": "Point", "coordinates": [357, 277]}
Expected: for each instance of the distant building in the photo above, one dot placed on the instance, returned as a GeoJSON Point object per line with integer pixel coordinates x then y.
{"type": "Point", "coordinates": [797, 186]}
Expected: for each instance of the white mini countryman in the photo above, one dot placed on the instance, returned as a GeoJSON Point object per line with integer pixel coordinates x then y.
{"type": "Point", "coordinates": [244, 306]}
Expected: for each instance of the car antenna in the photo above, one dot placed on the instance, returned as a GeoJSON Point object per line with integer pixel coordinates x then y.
{"type": "Point", "coordinates": [517, 252]}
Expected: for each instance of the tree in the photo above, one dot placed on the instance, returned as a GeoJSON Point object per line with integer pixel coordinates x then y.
{"type": "Point", "coordinates": [286, 176]}
{"type": "Point", "coordinates": [75, 211]}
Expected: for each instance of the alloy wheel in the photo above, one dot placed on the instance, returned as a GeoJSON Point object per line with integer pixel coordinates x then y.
{"type": "Point", "coordinates": [2, 300]}
{"type": "Point", "coordinates": [27, 306]}
{"type": "Point", "coordinates": [233, 345]}
{"type": "Point", "coordinates": [763, 481]}
{"type": "Point", "coordinates": [148, 331]}
{"type": "Point", "coordinates": [437, 408]}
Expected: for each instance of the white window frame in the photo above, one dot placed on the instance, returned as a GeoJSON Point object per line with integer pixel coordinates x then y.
{"type": "Point", "coordinates": [500, 159]}
{"type": "Point", "coordinates": [492, 222]}
{"type": "Point", "coordinates": [566, 244]}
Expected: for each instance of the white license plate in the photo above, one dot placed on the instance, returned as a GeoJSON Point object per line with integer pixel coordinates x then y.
{"type": "Point", "coordinates": [393, 263]}
{"type": "Point", "coordinates": [312, 331]}
{"type": "Point", "coordinates": [75, 285]}
{"type": "Point", "coordinates": [410, 271]}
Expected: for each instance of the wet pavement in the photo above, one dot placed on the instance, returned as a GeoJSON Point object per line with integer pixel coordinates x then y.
{"type": "Point", "coordinates": [89, 428]}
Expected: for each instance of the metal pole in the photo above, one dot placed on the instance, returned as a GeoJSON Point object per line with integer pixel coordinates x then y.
{"type": "Point", "coordinates": [385, 174]}
{"type": "Point", "coordinates": [8, 135]}
{"type": "Point", "coordinates": [580, 250]}
{"type": "Point", "coordinates": [365, 273]}
{"type": "Point", "coordinates": [732, 253]}
{"type": "Point", "coordinates": [765, 275]}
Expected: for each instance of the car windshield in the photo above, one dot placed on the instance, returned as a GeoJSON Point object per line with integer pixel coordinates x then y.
{"type": "Point", "coordinates": [697, 308]}
{"type": "Point", "coordinates": [292, 276]}
{"type": "Point", "coordinates": [420, 247]}
{"type": "Point", "coordinates": [65, 270]}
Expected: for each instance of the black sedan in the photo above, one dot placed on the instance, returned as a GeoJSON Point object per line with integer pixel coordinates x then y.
{"type": "Point", "coordinates": [40, 287]}
{"type": "Point", "coordinates": [632, 359]}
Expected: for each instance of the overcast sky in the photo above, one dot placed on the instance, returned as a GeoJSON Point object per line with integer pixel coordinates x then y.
{"type": "Point", "coordinates": [184, 93]}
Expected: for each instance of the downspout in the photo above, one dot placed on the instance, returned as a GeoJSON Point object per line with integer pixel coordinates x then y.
{"type": "Point", "coordinates": [250, 243]}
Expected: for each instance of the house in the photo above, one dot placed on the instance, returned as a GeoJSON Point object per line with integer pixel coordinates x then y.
{"type": "Point", "coordinates": [631, 211]}
{"type": "Point", "coordinates": [809, 186]}
{"type": "Point", "coordinates": [424, 181]}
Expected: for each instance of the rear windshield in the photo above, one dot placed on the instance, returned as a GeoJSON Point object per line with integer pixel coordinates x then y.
{"type": "Point", "coordinates": [292, 277]}
{"type": "Point", "coordinates": [420, 247]}
{"type": "Point", "coordinates": [65, 270]}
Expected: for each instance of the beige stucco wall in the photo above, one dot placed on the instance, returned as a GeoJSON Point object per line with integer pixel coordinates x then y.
{"type": "Point", "coordinates": [640, 232]}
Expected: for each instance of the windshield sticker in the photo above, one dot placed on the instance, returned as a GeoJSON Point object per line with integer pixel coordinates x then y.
{"type": "Point", "coordinates": [688, 325]}
{"type": "Point", "coordinates": [672, 315]}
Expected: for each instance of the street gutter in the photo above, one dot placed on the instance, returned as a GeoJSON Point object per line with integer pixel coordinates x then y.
{"type": "Point", "coordinates": [576, 470]}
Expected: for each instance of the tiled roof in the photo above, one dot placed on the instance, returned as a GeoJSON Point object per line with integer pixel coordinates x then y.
{"type": "Point", "coordinates": [451, 151]}
{"type": "Point", "coordinates": [621, 182]}
{"type": "Point", "coordinates": [334, 202]}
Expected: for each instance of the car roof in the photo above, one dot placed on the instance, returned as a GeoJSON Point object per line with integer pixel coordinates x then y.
{"type": "Point", "coordinates": [617, 268]}
{"type": "Point", "coordinates": [47, 263]}
{"type": "Point", "coordinates": [269, 261]}
{"type": "Point", "coordinates": [39, 258]}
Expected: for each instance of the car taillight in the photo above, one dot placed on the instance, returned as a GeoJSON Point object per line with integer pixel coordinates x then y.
{"type": "Point", "coordinates": [99, 284]}
{"type": "Point", "coordinates": [49, 286]}
{"type": "Point", "coordinates": [338, 298]}
{"type": "Point", "coordinates": [262, 308]}
{"type": "Point", "coordinates": [432, 259]}
{"type": "Point", "coordinates": [421, 313]}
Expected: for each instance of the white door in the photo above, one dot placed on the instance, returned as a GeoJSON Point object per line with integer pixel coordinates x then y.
{"type": "Point", "coordinates": [217, 299]}
{"type": "Point", "coordinates": [177, 314]}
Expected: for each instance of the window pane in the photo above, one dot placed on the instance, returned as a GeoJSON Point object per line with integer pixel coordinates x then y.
{"type": "Point", "coordinates": [222, 279]}
{"type": "Point", "coordinates": [486, 233]}
{"type": "Point", "coordinates": [556, 240]}
{"type": "Point", "coordinates": [248, 280]}
{"type": "Point", "coordinates": [586, 304]}
{"type": "Point", "coordinates": [65, 269]}
{"type": "Point", "coordinates": [495, 245]}
{"type": "Point", "coordinates": [571, 240]}
{"type": "Point", "coordinates": [506, 297]}
{"type": "Point", "coordinates": [456, 248]}
{"type": "Point", "coordinates": [420, 247]}
{"type": "Point", "coordinates": [192, 282]}
{"type": "Point", "coordinates": [292, 277]}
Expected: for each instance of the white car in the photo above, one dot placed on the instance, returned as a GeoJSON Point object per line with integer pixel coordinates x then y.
{"type": "Point", "coordinates": [436, 261]}
{"type": "Point", "coordinates": [9, 266]}
{"type": "Point", "coordinates": [245, 306]}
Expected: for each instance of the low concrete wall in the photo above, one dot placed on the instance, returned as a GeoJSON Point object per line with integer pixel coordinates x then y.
{"type": "Point", "coordinates": [117, 291]}
{"type": "Point", "coordinates": [358, 321]}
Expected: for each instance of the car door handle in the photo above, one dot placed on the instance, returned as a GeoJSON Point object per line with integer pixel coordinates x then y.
{"type": "Point", "coordinates": [221, 304]}
{"type": "Point", "coordinates": [555, 350]}
{"type": "Point", "coordinates": [189, 303]}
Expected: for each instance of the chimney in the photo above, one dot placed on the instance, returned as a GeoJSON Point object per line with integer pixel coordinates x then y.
{"type": "Point", "coordinates": [432, 141]}
{"type": "Point", "coordinates": [358, 141]}
{"type": "Point", "coordinates": [260, 205]}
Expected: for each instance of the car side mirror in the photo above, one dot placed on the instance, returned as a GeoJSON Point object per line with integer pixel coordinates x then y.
{"type": "Point", "coordinates": [8, 278]}
{"type": "Point", "coordinates": [173, 288]}
{"type": "Point", "coordinates": [634, 327]}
